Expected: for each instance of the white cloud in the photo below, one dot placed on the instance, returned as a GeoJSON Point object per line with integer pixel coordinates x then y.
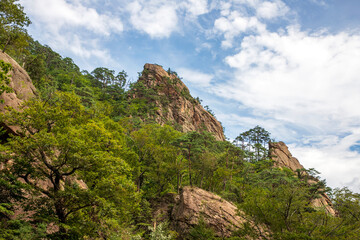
{"type": "Point", "coordinates": [246, 17]}
{"type": "Point", "coordinates": [337, 163]}
{"type": "Point", "coordinates": [299, 74]}
{"type": "Point", "coordinates": [195, 7]}
{"type": "Point", "coordinates": [72, 27]}
{"type": "Point", "coordinates": [196, 78]}
{"type": "Point", "coordinates": [309, 81]}
{"type": "Point", "coordinates": [268, 10]}
{"type": "Point", "coordinates": [236, 24]}
{"type": "Point", "coordinates": [158, 18]}
{"type": "Point", "coordinates": [58, 14]}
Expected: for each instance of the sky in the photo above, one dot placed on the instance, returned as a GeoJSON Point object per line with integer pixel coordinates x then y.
{"type": "Point", "coordinates": [290, 66]}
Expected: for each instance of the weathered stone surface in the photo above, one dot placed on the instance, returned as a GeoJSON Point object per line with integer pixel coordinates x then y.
{"type": "Point", "coordinates": [176, 105]}
{"type": "Point", "coordinates": [184, 211]}
{"type": "Point", "coordinates": [282, 157]}
{"type": "Point", "coordinates": [196, 203]}
{"type": "Point", "coordinates": [20, 83]}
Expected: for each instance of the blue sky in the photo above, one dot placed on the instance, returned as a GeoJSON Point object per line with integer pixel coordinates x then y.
{"type": "Point", "coordinates": [290, 66]}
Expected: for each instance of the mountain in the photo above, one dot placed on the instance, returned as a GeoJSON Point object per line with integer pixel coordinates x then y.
{"type": "Point", "coordinates": [173, 103]}
{"type": "Point", "coordinates": [236, 198]}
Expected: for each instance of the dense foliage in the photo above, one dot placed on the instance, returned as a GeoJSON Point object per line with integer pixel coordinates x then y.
{"type": "Point", "coordinates": [5, 77]}
{"type": "Point", "coordinates": [88, 159]}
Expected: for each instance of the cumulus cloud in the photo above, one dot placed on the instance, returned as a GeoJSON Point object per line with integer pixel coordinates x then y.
{"type": "Point", "coordinates": [307, 80]}
{"type": "Point", "coordinates": [68, 24]}
{"type": "Point", "coordinates": [338, 165]}
{"type": "Point", "coordinates": [160, 18]}
{"type": "Point", "coordinates": [195, 7]}
{"type": "Point", "coordinates": [157, 18]}
{"type": "Point", "coordinates": [239, 18]}
{"type": "Point", "coordinates": [299, 74]}
{"type": "Point", "coordinates": [268, 10]}
{"type": "Point", "coordinates": [57, 14]}
{"type": "Point", "coordinates": [236, 24]}
{"type": "Point", "coordinates": [196, 78]}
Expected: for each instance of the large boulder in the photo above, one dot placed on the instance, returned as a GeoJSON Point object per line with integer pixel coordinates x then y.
{"type": "Point", "coordinates": [184, 211]}
{"type": "Point", "coordinates": [196, 203]}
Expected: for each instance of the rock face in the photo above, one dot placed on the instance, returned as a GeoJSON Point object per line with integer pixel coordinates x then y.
{"type": "Point", "coordinates": [175, 105]}
{"type": "Point", "coordinates": [282, 157]}
{"type": "Point", "coordinates": [185, 210]}
{"type": "Point", "coordinates": [195, 203]}
{"type": "Point", "coordinates": [20, 83]}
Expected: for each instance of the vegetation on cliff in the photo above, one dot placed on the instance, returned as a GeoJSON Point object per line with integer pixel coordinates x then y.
{"type": "Point", "coordinates": [89, 159]}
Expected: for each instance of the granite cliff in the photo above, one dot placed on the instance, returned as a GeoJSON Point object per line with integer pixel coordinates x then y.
{"type": "Point", "coordinates": [174, 104]}
{"type": "Point", "coordinates": [282, 157]}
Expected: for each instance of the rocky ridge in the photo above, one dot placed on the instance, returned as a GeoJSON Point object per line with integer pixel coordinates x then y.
{"type": "Point", "coordinates": [186, 209]}
{"type": "Point", "coordinates": [282, 157]}
{"type": "Point", "coordinates": [175, 105]}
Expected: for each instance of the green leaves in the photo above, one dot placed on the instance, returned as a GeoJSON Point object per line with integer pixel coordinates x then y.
{"type": "Point", "coordinates": [75, 166]}
{"type": "Point", "coordinates": [5, 68]}
{"type": "Point", "coordinates": [12, 23]}
{"type": "Point", "coordinates": [255, 143]}
{"type": "Point", "coordinates": [12, 13]}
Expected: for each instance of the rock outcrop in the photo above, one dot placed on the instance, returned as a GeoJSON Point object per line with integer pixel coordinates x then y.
{"type": "Point", "coordinates": [184, 211]}
{"type": "Point", "coordinates": [174, 103]}
{"type": "Point", "coordinates": [282, 157]}
{"type": "Point", "coordinates": [195, 203]}
{"type": "Point", "coordinates": [20, 83]}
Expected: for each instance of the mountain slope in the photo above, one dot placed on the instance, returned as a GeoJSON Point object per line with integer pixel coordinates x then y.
{"type": "Point", "coordinates": [174, 104]}
{"type": "Point", "coordinates": [283, 158]}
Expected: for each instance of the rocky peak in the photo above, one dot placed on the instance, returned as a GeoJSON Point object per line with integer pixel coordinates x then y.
{"type": "Point", "coordinates": [175, 105]}
{"type": "Point", "coordinates": [282, 157]}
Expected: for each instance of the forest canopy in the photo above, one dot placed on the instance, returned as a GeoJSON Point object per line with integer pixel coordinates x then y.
{"type": "Point", "coordinates": [88, 160]}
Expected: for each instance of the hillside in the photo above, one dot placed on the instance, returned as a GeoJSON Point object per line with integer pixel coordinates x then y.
{"type": "Point", "coordinates": [88, 155]}
{"type": "Point", "coordinates": [173, 102]}
{"type": "Point", "coordinates": [183, 183]}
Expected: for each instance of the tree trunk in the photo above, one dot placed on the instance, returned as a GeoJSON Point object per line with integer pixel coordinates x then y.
{"type": "Point", "coordinates": [189, 162]}
{"type": "Point", "coordinates": [6, 44]}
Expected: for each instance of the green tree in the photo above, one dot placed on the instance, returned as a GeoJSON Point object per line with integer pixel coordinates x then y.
{"type": "Point", "coordinates": [74, 168]}
{"type": "Point", "coordinates": [201, 231]}
{"type": "Point", "coordinates": [192, 146]}
{"type": "Point", "coordinates": [156, 168]}
{"type": "Point", "coordinates": [12, 23]}
{"type": "Point", "coordinates": [4, 77]}
{"type": "Point", "coordinates": [104, 77]}
{"type": "Point", "coordinates": [277, 201]}
{"type": "Point", "coordinates": [255, 143]}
